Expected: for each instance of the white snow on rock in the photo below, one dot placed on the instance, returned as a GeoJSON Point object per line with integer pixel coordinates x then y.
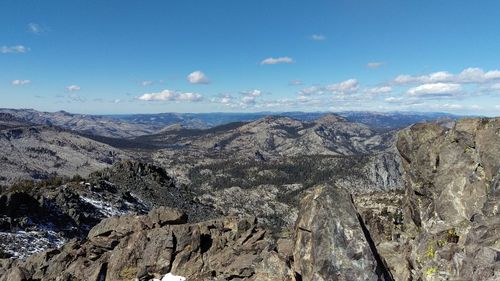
{"type": "Point", "coordinates": [171, 277]}
{"type": "Point", "coordinates": [22, 244]}
{"type": "Point", "coordinates": [104, 207]}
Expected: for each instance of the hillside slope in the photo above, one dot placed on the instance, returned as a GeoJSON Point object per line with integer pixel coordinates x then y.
{"type": "Point", "coordinates": [39, 152]}
{"type": "Point", "coordinates": [88, 124]}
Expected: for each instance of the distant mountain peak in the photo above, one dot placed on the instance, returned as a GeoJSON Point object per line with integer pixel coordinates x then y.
{"type": "Point", "coordinates": [331, 118]}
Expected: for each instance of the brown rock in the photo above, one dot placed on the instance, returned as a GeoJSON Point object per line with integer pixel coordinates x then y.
{"type": "Point", "coordinates": [164, 215]}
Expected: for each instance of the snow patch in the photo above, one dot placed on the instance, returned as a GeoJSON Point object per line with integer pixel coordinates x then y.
{"type": "Point", "coordinates": [22, 244]}
{"type": "Point", "coordinates": [171, 277]}
{"type": "Point", "coordinates": [104, 207]}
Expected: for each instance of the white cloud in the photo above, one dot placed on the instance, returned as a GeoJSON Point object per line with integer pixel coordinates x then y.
{"type": "Point", "coordinates": [379, 90]}
{"type": "Point", "coordinates": [73, 88]}
{"type": "Point", "coordinates": [165, 95]}
{"type": "Point", "coordinates": [403, 79]}
{"type": "Point", "coordinates": [441, 76]}
{"type": "Point", "coordinates": [18, 82]}
{"type": "Point", "coordinates": [495, 87]}
{"type": "Point", "coordinates": [248, 100]}
{"type": "Point", "coordinates": [349, 86]}
{"type": "Point", "coordinates": [277, 60]}
{"type": "Point", "coordinates": [146, 83]}
{"type": "Point", "coordinates": [252, 93]}
{"type": "Point", "coordinates": [303, 98]}
{"type": "Point", "coordinates": [74, 97]}
{"type": "Point", "coordinates": [393, 99]}
{"type": "Point", "coordinates": [250, 97]}
{"type": "Point", "coordinates": [318, 37]}
{"type": "Point", "coordinates": [189, 97]}
{"type": "Point", "coordinates": [198, 77]}
{"type": "Point", "coordinates": [345, 87]}
{"type": "Point", "coordinates": [471, 75]}
{"type": "Point", "coordinates": [375, 64]}
{"type": "Point", "coordinates": [36, 28]}
{"type": "Point", "coordinates": [225, 99]}
{"type": "Point", "coordinates": [477, 75]}
{"type": "Point", "coordinates": [435, 89]}
{"type": "Point", "coordinates": [295, 83]}
{"type": "Point", "coordinates": [492, 75]}
{"type": "Point", "coordinates": [452, 106]}
{"type": "Point", "coordinates": [280, 103]}
{"type": "Point", "coordinates": [169, 95]}
{"type": "Point", "coordinates": [19, 49]}
{"type": "Point", "coordinates": [468, 75]}
{"type": "Point", "coordinates": [426, 106]}
{"type": "Point", "coordinates": [313, 90]}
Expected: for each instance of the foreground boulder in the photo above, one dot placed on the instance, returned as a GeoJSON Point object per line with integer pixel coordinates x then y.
{"type": "Point", "coordinates": [330, 243]}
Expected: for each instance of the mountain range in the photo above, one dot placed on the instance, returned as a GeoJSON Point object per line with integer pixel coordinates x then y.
{"type": "Point", "coordinates": [131, 125]}
{"type": "Point", "coordinates": [249, 196]}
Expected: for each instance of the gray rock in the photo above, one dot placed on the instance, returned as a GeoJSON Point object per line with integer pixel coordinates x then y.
{"type": "Point", "coordinates": [329, 242]}
{"type": "Point", "coordinates": [450, 218]}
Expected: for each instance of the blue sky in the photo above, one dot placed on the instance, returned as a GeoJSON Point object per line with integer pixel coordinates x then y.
{"type": "Point", "coordinates": [263, 55]}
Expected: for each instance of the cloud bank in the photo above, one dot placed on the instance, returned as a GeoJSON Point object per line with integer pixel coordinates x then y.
{"type": "Point", "coordinates": [169, 95]}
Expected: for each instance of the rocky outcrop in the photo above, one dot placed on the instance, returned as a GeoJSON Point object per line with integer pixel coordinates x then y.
{"type": "Point", "coordinates": [452, 197]}
{"type": "Point", "coordinates": [446, 224]}
{"type": "Point", "coordinates": [51, 212]}
{"type": "Point", "coordinates": [147, 247]}
{"type": "Point", "coordinates": [330, 242]}
{"type": "Point", "coordinates": [154, 187]}
{"type": "Point", "coordinates": [382, 215]}
{"type": "Point", "coordinates": [451, 170]}
{"type": "Point", "coordinates": [39, 218]}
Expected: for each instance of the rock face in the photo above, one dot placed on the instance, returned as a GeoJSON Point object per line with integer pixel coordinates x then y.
{"type": "Point", "coordinates": [453, 193]}
{"type": "Point", "coordinates": [330, 243]}
{"type": "Point", "coordinates": [146, 247]}
{"type": "Point", "coordinates": [452, 170]}
{"type": "Point", "coordinates": [446, 224]}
